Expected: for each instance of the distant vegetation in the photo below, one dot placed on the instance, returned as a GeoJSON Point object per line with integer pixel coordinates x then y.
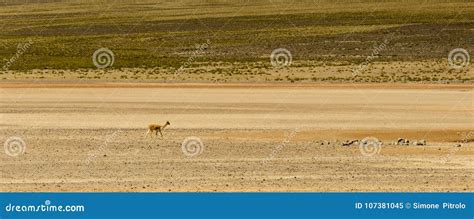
{"type": "Point", "coordinates": [158, 37]}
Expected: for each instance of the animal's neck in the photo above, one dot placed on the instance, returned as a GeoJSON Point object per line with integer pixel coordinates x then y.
{"type": "Point", "coordinates": [164, 126]}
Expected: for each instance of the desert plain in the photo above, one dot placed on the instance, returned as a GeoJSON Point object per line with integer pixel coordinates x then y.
{"type": "Point", "coordinates": [261, 95]}
{"type": "Point", "coordinates": [252, 137]}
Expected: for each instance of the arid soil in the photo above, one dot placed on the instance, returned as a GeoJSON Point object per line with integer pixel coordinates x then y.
{"type": "Point", "coordinates": [254, 137]}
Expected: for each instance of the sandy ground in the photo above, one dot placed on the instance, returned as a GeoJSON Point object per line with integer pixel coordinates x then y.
{"type": "Point", "coordinates": [254, 138]}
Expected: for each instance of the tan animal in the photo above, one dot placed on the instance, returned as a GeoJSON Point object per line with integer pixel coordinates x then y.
{"type": "Point", "coordinates": [156, 128]}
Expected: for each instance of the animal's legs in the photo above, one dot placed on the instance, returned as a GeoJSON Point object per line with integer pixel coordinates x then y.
{"type": "Point", "coordinates": [148, 132]}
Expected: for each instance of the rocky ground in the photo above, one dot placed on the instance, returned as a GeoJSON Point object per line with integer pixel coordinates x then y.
{"type": "Point", "coordinates": [236, 138]}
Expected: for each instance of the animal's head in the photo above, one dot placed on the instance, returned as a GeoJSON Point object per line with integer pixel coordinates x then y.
{"type": "Point", "coordinates": [168, 123]}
